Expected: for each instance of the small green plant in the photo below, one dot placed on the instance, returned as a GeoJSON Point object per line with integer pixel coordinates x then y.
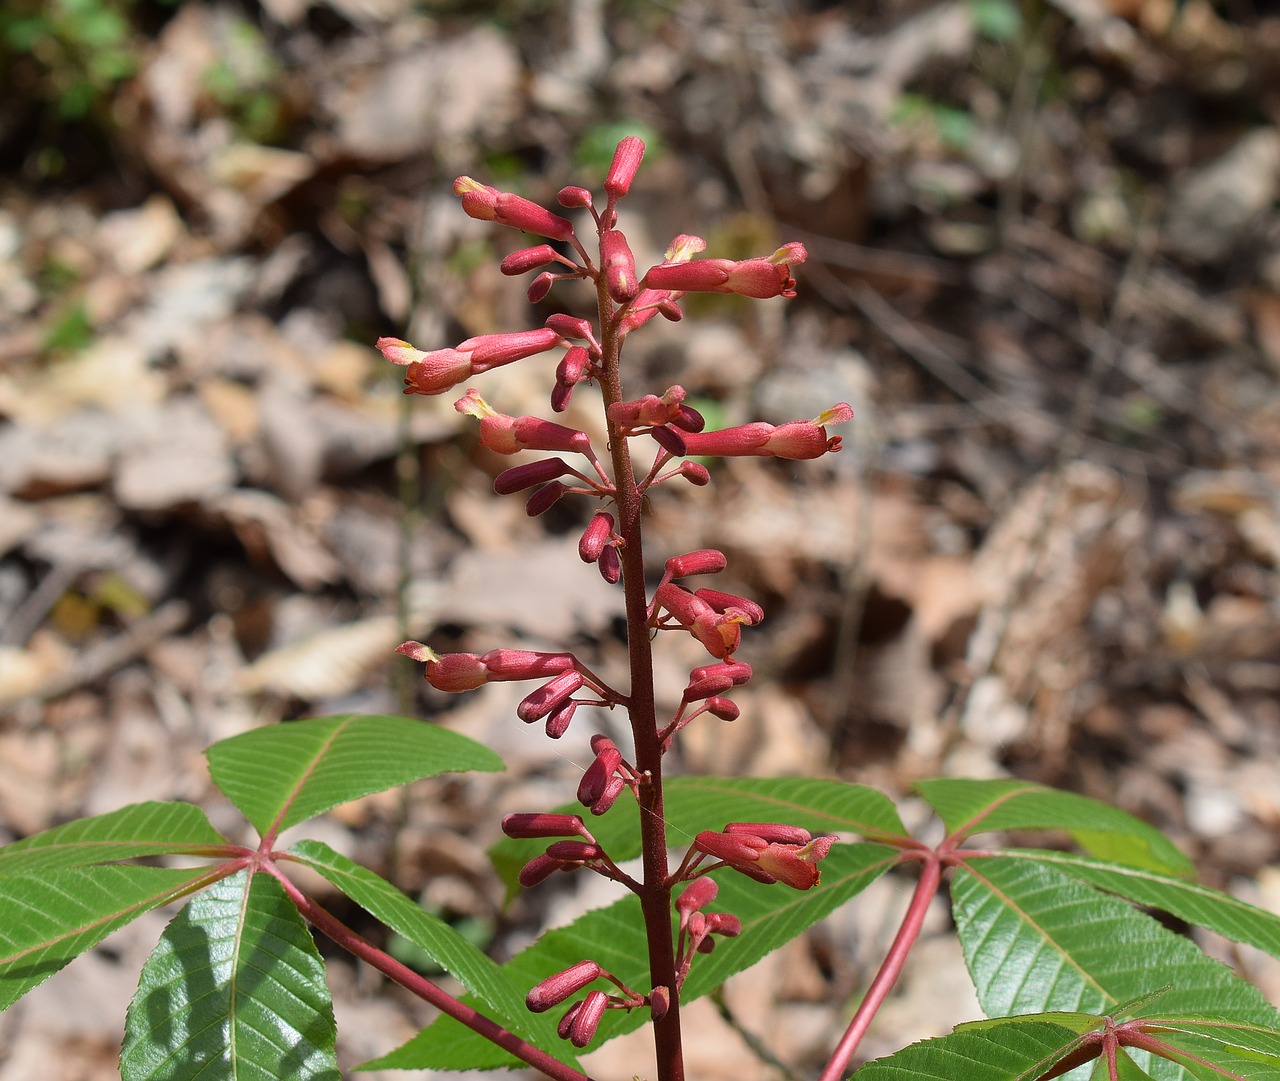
{"type": "Point", "coordinates": [1074, 974]}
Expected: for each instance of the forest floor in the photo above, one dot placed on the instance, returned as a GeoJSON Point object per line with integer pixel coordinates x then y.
{"type": "Point", "coordinates": [1043, 269]}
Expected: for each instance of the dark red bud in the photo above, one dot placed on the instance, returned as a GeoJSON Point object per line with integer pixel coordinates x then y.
{"type": "Point", "coordinates": [595, 537]}
{"type": "Point", "coordinates": [544, 498]}
{"type": "Point", "coordinates": [555, 989]}
{"type": "Point", "coordinates": [551, 695]}
{"type": "Point", "coordinates": [689, 419]}
{"type": "Point", "coordinates": [610, 564]}
{"type": "Point", "coordinates": [540, 287]}
{"type": "Point", "coordinates": [722, 923]}
{"type": "Point", "coordinates": [566, 1022]}
{"type": "Point", "coordinates": [535, 824]}
{"type": "Point", "coordinates": [659, 1003]}
{"type": "Point", "coordinates": [704, 561]}
{"type": "Point", "coordinates": [574, 851]}
{"type": "Point", "coordinates": [537, 869]}
{"type": "Point", "coordinates": [706, 945]}
{"type": "Point", "coordinates": [596, 776]}
{"type": "Point", "coordinates": [723, 708]}
{"type": "Point", "coordinates": [587, 1019]}
{"type": "Point", "coordinates": [695, 473]}
{"type": "Point", "coordinates": [618, 265]}
{"type": "Point", "coordinates": [612, 791]}
{"type": "Point", "coordinates": [560, 396]}
{"type": "Point", "coordinates": [528, 259]}
{"type": "Point", "coordinates": [520, 477]}
{"type": "Point", "coordinates": [505, 663]}
{"type": "Point", "coordinates": [558, 719]}
{"type": "Point", "coordinates": [668, 439]}
{"type": "Point", "coordinates": [626, 160]}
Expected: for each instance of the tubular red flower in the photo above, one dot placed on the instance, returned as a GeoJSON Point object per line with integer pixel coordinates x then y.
{"type": "Point", "coordinates": [517, 664]}
{"type": "Point", "coordinates": [557, 723]}
{"type": "Point", "coordinates": [610, 564]}
{"type": "Point", "coordinates": [648, 410]}
{"type": "Point", "coordinates": [587, 1019]}
{"type": "Point", "coordinates": [551, 695]}
{"type": "Point", "coordinates": [703, 561]}
{"type": "Point", "coordinates": [622, 170]}
{"type": "Point", "coordinates": [544, 499]}
{"type": "Point", "coordinates": [612, 790]}
{"type": "Point", "coordinates": [520, 477]}
{"type": "Point", "coordinates": [492, 350]}
{"type": "Point", "coordinates": [523, 824]}
{"type": "Point", "coordinates": [490, 204]}
{"type": "Point", "coordinates": [595, 537]}
{"type": "Point", "coordinates": [595, 778]}
{"type": "Point", "coordinates": [526, 259]}
{"type": "Point", "coordinates": [759, 278]}
{"type": "Point", "coordinates": [538, 869]}
{"type": "Point", "coordinates": [555, 989]}
{"type": "Point", "coordinates": [772, 832]}
{"type": "Point", "coordinates": [618, 265]}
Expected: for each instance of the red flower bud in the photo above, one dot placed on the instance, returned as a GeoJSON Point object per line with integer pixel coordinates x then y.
{"type": "Point", "coordinates": [490, 204]}
{"type": "Point", "coordinates": [694, 472]}
{"type": "Point", "coordinates": [537, 870]}
{"type": "Point", "coordinates": [610, 564]}
{"type": "Point", "coordinates": [555, 989]}
{"type": "Point", "coordinates": [626, 160]}
{"type": "Point", "coordinates": [571, 326]}
{"type": "Point", "coordinates": [537, 704]}
{"type": "Point", "coordinates": [587, 1019]}
{"type": "Point", "coordinates": [596, 776]}
{"type": "Point", "coordinates": [649, 410]}
{"type": "Point", "coordinates": [544, 498]}
{"type": "Point", "coordinates": [574, 851]}
{"type": "Point", "coordinates": [659, 1003]}
{"type": "Point", "coordinates": [573, 198]}
{"type": "Point", "coordinates": [723, 708]}
{"type": "Point", "coordinates": [618, 265]}
{"type": "Point", "coordinates": [669, 440]}
{"type": "Point", "coordinates": [595, 537]}
{"type": "Point", "coordinates": [722, 923]}
{"type": "Point", "coordinates": [612, 790]}
{"type": "Point", "coordinates": [558, 719]}
{"type": "Point", "coordinates": [491, 350]}
{"type": "Point", "coordinates": [541, 286]}
{"type": "Point", "coordinates": [515, 664]}
{"type": "Point", "coordinates": [520, 477]}
{"type": "Point", "coordinates": [518, 262]}
{"type": "Point", "coordinates": [703, 561]}
{"type": "Point", "coordinates": [524, 825]}
{"type": "Point", "coordinates": [698, 894]}
{"type": "Point", "coordinates": [689, 419]}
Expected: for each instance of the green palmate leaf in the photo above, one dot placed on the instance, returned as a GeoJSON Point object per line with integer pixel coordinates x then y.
{"type": "Point", "coordinates": [1035, 939]}
{"type": "Point", "coordinates": [234, 989]}
{"type": "Point", "coordinates": [141, 829]}
{"type": "Point", "coordinates": [52, 916]}
{"type": "Point", "coordinates": [614, 937]}
{"type": "Point", "coordinates": [502, 1000]}
{"type": "Point", "coordinates": [1190, 901]}
{"type": "Point", "coordinates": [286, 773]}
{"type": "Point", "coordinates": [1012, 1051]}
{"type": "Point", "coordinates": [969, 807]}
{"type": "Point", "coordinates": [699, 803]}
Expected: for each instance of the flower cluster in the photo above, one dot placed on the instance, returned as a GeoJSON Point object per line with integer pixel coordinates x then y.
{"type": "Point", "coordinates": [572, 465]}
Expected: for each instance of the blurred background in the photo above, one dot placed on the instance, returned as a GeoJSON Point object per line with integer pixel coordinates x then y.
{"type": "Point", "coordinates": [1043, 270]}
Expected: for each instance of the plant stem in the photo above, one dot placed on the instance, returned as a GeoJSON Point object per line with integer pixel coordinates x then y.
{"type": "Point", "coordinates": [655, 897]}
{"type": "Point", "coordinates": [349, 940]}
{"type": "Point", "coordinates": [908, 932]}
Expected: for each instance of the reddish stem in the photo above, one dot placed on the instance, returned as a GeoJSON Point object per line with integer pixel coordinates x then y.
{"type": "Point", "coordinates": [655, 896]}
{"type": "Point", "coordinates": [349, 940]}
{"type": "Point", "coordinates": [908, 932]}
